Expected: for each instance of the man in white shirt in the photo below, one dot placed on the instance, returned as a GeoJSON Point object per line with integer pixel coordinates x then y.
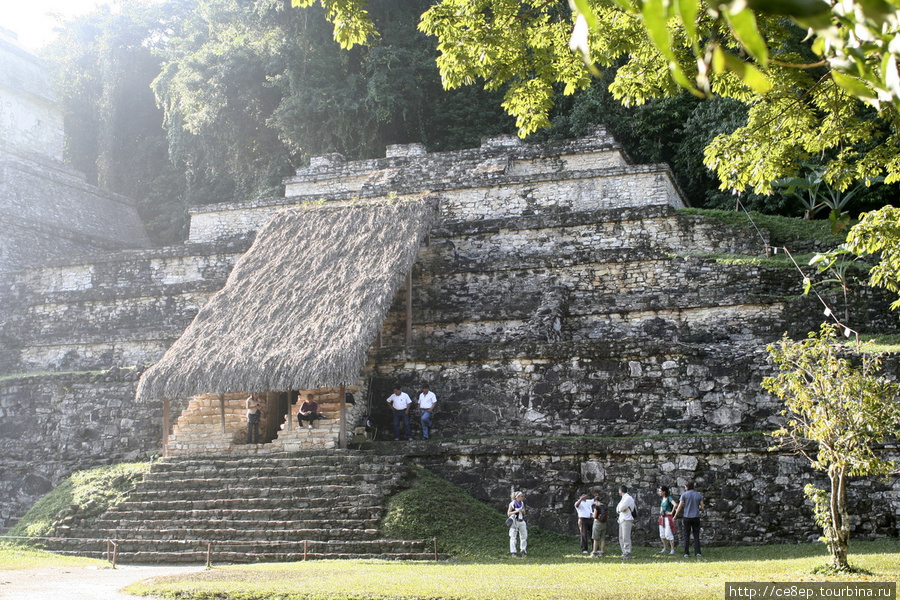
{"type": "Point", "coordinates": [625, 508]}
{"type": "Point", "coordinates": [427, 402]}
{"type": "Point", "coordinates": [584, 508]}
{"type": "Point", "coordinates": [400, 402]}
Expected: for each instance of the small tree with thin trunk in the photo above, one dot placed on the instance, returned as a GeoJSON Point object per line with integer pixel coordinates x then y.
{"type": "Point", "coordinates": [838, 409]}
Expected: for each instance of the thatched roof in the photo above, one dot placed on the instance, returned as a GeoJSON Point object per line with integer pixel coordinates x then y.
{"type": "Point", "coordinates": [302, 307]}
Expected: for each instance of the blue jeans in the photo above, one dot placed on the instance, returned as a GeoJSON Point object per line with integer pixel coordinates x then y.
{"type": "Point", "coordinates": [253, 431]}
{"type": "Point", "coordinates": [401, 414]}
{"type": "Point", "coordinates": [426, 423]}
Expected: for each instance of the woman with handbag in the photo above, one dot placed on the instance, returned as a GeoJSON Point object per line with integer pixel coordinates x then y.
{"type": "Point", "coordinates": [666, 520]}
{"type": "Point", "coordinates": [516, 522]}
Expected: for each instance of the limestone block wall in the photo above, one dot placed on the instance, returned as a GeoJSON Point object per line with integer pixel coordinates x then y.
{"type": "Point", "coordinates": [615, 388]}
{"type": "Point", "coordinates": [51, 212]}
{"type": "Point", "coordinates": [52, 425]}
{"type": "Point", "coordinates": [121, 309]}
{"type": "Point", "coordinates": [753, 496]}
{"type": "Point", "coordinates": [29, 116]}
{"type": "Point", "coordinates": [502, 178]}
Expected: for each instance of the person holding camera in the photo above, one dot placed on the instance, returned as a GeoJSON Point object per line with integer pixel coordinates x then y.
{"type": "Point", "coordinates": [516, 512]}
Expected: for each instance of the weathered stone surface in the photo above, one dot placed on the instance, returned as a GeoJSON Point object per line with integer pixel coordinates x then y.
{"type": "Point", "coordinates": [559, 297]}
{"type": "Point", "coordinates": [753, 496]}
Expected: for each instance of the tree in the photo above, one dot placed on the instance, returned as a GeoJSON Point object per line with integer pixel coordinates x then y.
{"type": "Point", "coordinates": [837, 410]}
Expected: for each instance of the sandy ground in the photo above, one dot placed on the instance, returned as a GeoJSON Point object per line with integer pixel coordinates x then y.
{"type": "Point", "coordinates": [81, 583]}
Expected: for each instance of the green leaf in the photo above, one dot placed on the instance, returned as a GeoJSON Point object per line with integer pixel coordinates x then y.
{"type": "Point", "coordinates": [688, 11]}
{"type": "Point", "coordinates": [750, 75]}
{"type": "Point", "coordinates": [655, 19]}
{"type": "Point", "coordinates": [790, 8]}
{"type": "Point", "coordinates": [583, 7]}
{"type": "Point", "coordinates": [854, 85]}
{"type": "Point", "coordinates": [744, 25]}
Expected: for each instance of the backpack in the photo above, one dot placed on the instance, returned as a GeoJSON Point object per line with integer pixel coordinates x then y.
{"type": "Point", "coordinates": [634, 511]}
{"type": "Point", "coordinates": [604, 515]}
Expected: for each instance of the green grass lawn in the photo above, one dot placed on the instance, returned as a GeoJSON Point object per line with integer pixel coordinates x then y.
{"type": "Point", "coordinates": [15, 557]}
{"type": "Point", "coordinates": [571, 577]}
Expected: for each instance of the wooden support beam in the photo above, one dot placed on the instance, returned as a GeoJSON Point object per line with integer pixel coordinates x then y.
{"type": "Point", "coordinates": [409, 308]}
{"type": "Point", "coordinates": [222, 411]}
{"type": "Point", "coordinates": [165, 427]}
{"type": "Point", "coordinates": [342, 433]}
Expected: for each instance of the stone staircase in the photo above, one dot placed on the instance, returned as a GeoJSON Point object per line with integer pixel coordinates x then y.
{"type": "Point", "coordinates": [311, 505]}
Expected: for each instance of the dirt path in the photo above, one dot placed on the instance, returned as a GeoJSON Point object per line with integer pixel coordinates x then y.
{"type": "Point", "coordinates": [81, 583]}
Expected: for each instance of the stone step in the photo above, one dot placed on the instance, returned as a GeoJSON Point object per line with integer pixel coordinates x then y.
{"type": "Point", "coordinates": [231, 531]}
{"type": "Point", "coordinates": [199, 555]}
{"type": "Point", "coordinates": [107, 526]}
{"type": "Point", "coordinates": [196, 550]}
{"type": "Point", "coordinates": [326, 484]}
{"type": "Point", "coordinates": [237, 509]}
{"type": "Point", "coordinates": [201, 501]}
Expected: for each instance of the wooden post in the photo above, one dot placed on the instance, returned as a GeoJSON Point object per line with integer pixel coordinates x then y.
{"type": "Point", "coordinates": [165, 428]}
{"type": "Point", "coordinates": [342, 434]}
{"type": "Point", "coordinates": [222, 411]}
{"type": "Point", "coordinates": [435, 548]}
{"type": "Point", "coordinates": [305, 549]}
{"type": "Point", "coordinates": [409, 308]}
{"type": "Point", "coordinates": [208, 555]}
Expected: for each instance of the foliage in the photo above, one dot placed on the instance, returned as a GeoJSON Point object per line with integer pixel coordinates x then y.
{"type": "Point", "coordinates": [566, 578]}
{"type": "Point", "coordinates": [784, 231]}
{"type": "Point", "coordinates": [85, 494]}
{"type": "Point", "coordinates": [800, 105]}
{"type": "Point", "coordinates": [433, 507]}
{"type": "Point", "coordinates": [836, 411]}
{"type": "Point", "coordinates": [878, 233]}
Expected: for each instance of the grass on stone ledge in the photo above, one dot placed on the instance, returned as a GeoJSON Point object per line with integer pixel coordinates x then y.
{"type": "Point", "coordinates": [564, 577]}
{"type": "Point", "coordinates": [89, 492]}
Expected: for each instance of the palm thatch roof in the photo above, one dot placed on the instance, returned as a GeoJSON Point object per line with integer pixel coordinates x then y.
{"type": "Point", "coordinates": [303, 305]}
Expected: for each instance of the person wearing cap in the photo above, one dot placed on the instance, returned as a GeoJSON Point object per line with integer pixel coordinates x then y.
{"type": "Point", "coordinates": [253, 416]}
{"type": "Point", "coordinates": [427, 403]}
{"type": "Point", "coordinates": [400, 402]}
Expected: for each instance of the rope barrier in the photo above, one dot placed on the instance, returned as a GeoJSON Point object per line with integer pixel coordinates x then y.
{"type": "Point", "coordinates": [828, 312]}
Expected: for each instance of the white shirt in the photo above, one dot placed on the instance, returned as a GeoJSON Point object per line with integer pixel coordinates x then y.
{"type": "Point", "coordinates": [427, 401]}
{"type": "Point", "coordinates": [584, 508]}
{"type": "Point", "coordinates": [400, 402]}
{"type": "Point", "coordinates": [626, 504]}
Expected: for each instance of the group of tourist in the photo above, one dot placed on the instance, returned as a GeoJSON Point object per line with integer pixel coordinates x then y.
{"type": "Point", "coordinates": [307, 412]}
{"type": "Point", "coordinates": [593, 515]}
{"type": "Point", "coordinates": [400, 403]}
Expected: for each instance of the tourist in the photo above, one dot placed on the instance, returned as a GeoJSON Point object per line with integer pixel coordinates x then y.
{"type": "Point", "coordinates": [598, 530]}
{"type": "Point", "coordinates": [400, 402]}
{"type": "Point", "coordinates": [625, 510]}
{"type": "Point", "coordinates": [253, 415]}
{"type": "Point", "coordinates": [309, 412]}
{"type": "Point", "coordinates": [666, 520]}
{"type": "Point", "coordinates": [516, 512]}
{"type": "Point", "coordinates": [427, 404]}
{"type": "Point", "coordinates": [690, 504]}
{"type": "Point", "coordinates": [585, 521]}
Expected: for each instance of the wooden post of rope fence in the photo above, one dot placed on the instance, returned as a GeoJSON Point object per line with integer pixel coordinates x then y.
{"type": "Point", "coordinates": [208, 555]}
{"type": "Point", "coordinates": [115, 554]}
{"type": "Point", "coordinates": [305, 549]}
{"type": "Point", "coordinates": [435, 548]}
{"type": "Point", "coordinates": [165, 427]}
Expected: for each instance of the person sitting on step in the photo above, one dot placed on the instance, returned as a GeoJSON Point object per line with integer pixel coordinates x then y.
{"type": "Point", "coordinates": [309, 411]}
